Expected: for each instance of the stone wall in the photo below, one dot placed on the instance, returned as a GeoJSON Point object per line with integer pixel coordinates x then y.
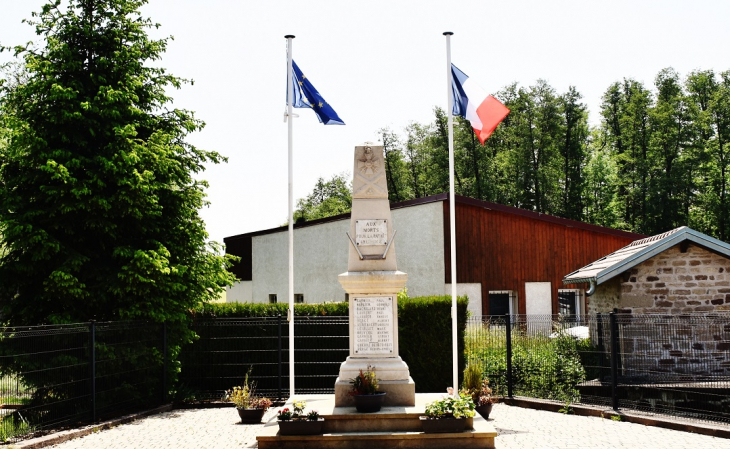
{"type": "Point", "coordinates": [683, 348]}
{"type": "Point", "coordinates": [672, 282]}
{"type": "Point", "coordinates": [606, 297]}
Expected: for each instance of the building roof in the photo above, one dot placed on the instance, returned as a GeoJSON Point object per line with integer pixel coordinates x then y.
{"type": "Point", "coordinates": [638, 251]}
{"type": "Point", "coordinates": [459, 200]}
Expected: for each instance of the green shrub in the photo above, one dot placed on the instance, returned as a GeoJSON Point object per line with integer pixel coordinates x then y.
{"type": "Point", "coordinates": [424, 340]}
{"type": "Point", "coordinates": [542, 367]}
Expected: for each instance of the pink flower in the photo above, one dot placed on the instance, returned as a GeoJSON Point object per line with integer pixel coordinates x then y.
{"type": "Point", "coordinates": [450, 391]}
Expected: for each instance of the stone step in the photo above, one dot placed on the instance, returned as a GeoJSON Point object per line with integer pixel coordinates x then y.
{"type": "Point", "coordinates": [393, 426]}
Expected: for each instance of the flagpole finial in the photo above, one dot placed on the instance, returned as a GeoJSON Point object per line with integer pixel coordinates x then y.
{"type": "Point", "coordinates": [448, 33]}
{"type": "Point", "coordinates": [289, 36]}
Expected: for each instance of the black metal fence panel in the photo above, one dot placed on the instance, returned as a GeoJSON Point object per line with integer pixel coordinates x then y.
{"type": "Point", "coordinates": [227, 347]}
{"type": "Point", "coordinates": [67, 375]}
{"type": "Point", "coordinates": [45, 378]}
{"type": "Point", "coordinates": [676, 365]}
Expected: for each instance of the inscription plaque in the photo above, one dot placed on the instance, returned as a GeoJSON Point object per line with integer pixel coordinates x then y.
{"type": "Point", "coordinates": [373, 325]}
{"type": "Point", "coordinates": [371, 232]}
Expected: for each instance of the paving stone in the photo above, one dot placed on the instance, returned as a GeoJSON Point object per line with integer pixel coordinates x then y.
{"type": "Point", "coordinates": [518, 428]}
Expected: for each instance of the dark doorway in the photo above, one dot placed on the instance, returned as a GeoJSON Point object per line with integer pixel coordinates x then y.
{"type": "Point", "coordinates": [566, 303]}
{"type": "Point", "coordinates": [499, 304]}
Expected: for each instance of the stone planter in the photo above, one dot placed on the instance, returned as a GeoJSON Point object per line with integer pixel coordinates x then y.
{"type": "Point", "coordinates": [443, 425]}
{"type": "Point", "coordinates": [484, 410]}
{"type": "Point", "coordinates": [369, 403]}
{"type": "Point", "coordinates": [251, 415]}
{"type": "Point", "coordinates": [301, 427]}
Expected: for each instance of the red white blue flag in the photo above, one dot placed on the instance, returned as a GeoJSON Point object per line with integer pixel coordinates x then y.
{"type": "Point", "coordinates": [483, 111]}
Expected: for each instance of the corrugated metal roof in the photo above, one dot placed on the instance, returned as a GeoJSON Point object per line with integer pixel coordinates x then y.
{"type": "Point", "coordinates": [638, 251]}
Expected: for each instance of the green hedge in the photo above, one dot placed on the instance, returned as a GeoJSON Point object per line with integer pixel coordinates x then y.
{"type": "Point", "coordinates": [424, 340]}
{"type": "Point", "coordinates": [424, 333]}
{"type": "Point", "coordinates": [246, 310]}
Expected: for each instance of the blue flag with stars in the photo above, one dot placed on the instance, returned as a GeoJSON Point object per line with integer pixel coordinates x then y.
{"type": "Point", "coordinates": [306, 96]}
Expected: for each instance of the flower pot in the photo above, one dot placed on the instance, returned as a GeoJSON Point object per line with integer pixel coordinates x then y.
{"type": "Point", "coordinates": [442, 425]}
{"type": "Point", "coordinates": [484, 410]}
{"type": "Point", "coordinates": [369, 403]}
{"type": "Point", "coordinates": [251, 415]}
{"type": "Point", "coordinates": [301, 427]}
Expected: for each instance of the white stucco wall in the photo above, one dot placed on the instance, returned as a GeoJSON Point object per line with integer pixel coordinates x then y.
{"type": "Point", "coordinates": [241, 291]}
{"type": "Point", "coordinates": [420, 241]}
{"type": "Point", "coordinates": [321, 251]}
{"type": "Point", "coordinates": [473, 292]}
{"type": "Point", "coordinates": [320, 254]}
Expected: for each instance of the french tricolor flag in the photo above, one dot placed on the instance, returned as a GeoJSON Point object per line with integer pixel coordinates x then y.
{"type": "Point", "coordinates": [471, 102]}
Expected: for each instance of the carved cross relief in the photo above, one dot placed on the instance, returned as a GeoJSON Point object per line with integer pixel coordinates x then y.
{"type": "Point", "coordinates": [369, 174]}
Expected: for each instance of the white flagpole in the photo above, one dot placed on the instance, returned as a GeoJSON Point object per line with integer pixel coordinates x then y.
{"type": "Point", "coordinates": [290, 123]}
{"type": "Point", "coordinates": [452, 214]}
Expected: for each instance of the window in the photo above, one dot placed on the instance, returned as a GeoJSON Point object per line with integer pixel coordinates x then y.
{"type": "Point", "coordinates": [347, 297]}
{"type": "Point", "coordinates": [298, 298]}
{"type": "Point", "coordinates": [272, 298]}
{"type": "Point", "coordinates": [502, 302]}
{"type": "Point", "coordinates": [571, 304]}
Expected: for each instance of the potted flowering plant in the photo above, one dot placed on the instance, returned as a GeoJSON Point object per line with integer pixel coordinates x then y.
{"type": "Point", "coordinates": [250, 406]}
{"type": "Point", "coordinates": [365, 391]}
{"type": "Point", "coordinates": [477, 386]}
{"type": "Point", "coordinates": [448, 414]}
{"type": "Point", "coordinates": [296, 422]}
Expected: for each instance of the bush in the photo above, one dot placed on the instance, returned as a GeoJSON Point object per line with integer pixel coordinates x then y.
{"type": "Point", "coordinates": [424, 340]}
{"type": "Point", "coordinates": [542, 367]}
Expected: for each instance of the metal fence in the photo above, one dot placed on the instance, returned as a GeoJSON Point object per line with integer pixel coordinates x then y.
{"type": "Point", "coordinates": [228, 347]}
{"type": "Point", "coordinates": [674, 365]}
{"type": "Point", "coordinates": [65, 375]}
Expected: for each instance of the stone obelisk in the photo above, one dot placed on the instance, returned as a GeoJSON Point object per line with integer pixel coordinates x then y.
{"type": "Point", "coordinates": [373, 281]}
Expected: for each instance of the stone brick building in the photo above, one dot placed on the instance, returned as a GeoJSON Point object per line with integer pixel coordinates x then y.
{"type": "Point", "coordinates": [672, 292]}
{"type": "Point", "coordinates": [680, 271]}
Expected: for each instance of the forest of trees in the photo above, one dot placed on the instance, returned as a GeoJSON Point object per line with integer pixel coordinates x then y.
{"type": "Point", "coordinates": [659, 159]}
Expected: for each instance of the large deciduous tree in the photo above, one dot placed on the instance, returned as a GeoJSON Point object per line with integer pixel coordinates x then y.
{"type": "Point", "coordinates": [98, 196]}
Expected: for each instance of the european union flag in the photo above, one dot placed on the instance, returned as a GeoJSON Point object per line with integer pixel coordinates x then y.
{"type": "Point", "coordinates": [306, 96]}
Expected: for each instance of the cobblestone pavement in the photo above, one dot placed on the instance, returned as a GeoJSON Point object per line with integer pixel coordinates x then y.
{"type": "Point", "coordinates": [518, 428]}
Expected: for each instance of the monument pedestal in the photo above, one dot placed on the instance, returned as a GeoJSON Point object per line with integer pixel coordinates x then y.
{"type": "Point", "coordinates": [393, 378]}
{"type": "Point", "coordinates": [374, 337]}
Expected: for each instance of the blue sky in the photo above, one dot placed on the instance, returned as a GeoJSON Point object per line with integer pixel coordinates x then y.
{"type": "Point", "coordinates": [383, 63]}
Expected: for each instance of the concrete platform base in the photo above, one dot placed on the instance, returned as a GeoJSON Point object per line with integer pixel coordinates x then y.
{"type": "Point", "coordinates": [392, 427]}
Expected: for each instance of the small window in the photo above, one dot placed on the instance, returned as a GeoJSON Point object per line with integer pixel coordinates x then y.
{"type": "Point", "coordinates": [272, 298]}
{"type": "Point", "coordinates": [298, 298]}
{"type": "Point", "coordinates": [347, 297]}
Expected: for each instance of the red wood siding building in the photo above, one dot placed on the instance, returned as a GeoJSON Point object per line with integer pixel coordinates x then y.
{"type": "Point", "coordinates": [504, 247]}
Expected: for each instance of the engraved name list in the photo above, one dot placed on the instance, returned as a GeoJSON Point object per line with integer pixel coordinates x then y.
{"type": "Point", "coordinates": [373, 325]}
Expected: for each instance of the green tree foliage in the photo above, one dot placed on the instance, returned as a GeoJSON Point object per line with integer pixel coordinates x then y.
{"type": "Point", "coordinates": [395, 166]}
{"type": "Point", "coordinates": [671, 160]}
{"type": "Point", "coordinates": [625, 114]}
{"type": "Point", "coordinates": [709, 98]}
{"type": "Point", "coordinates": [332, 197]}
{"type": "Point", "coordinates": [658, 159]}
{"type": "Point", "coordinates": [98, 199]}
{"type": "Point", "coordinates": [573, 153]}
